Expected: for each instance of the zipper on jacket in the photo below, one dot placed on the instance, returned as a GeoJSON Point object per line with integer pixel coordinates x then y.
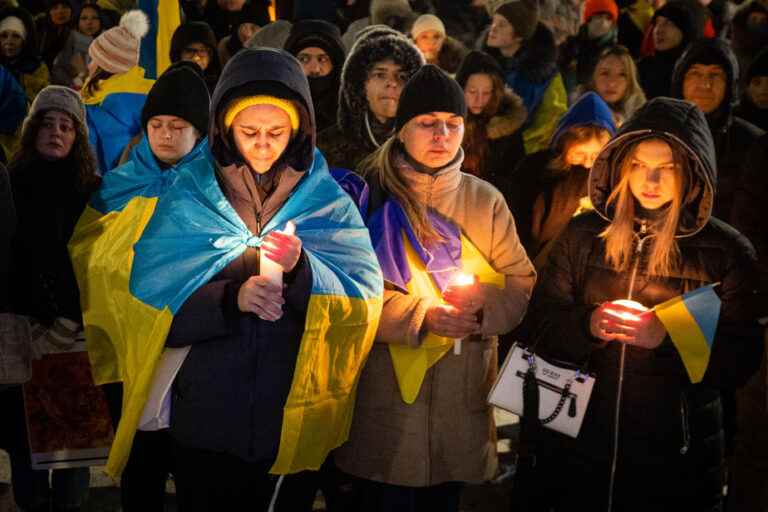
{"type": "Point", "coordinates": [642, 237]}
{"type": "Point", "coordinates": [685, 424]}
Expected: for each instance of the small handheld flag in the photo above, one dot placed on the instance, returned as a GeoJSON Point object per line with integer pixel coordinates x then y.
{"type": "Point", "coordinates": [691, 321]}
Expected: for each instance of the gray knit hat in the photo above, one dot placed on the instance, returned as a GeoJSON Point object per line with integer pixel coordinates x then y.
{"type": "Point", "coordinates": [63, 99]}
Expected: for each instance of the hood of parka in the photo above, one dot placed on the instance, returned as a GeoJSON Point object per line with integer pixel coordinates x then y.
{"type": "Point", "coordinates": [681, 124]}
{"type": "Point", "coordinates": [711, 52]}
{"type": "Point", "coordinates": [279, 74]}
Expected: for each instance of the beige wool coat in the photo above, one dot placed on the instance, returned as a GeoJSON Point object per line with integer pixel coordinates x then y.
{"type": "Point", "coordinates": [448, 433]}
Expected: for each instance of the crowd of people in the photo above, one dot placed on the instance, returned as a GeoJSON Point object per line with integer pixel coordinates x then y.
{"type": "Point", "coordinates": [264, 209]}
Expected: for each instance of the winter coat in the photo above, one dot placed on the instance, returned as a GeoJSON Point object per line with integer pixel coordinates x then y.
{"type": "Point", "coordinates": [7, 231]}
{"type": "Point", "coordinates": [224, 22]}
{"type": "Point", "coordinates": [669, 431]}
{"type": "Point", "coordinates": [396, 14]}
{"type": "Point", "coordinates": [448, 433]}
{"type": "Point", "coordinates": [462, 20]}
{"type": "Point", "coordinates": [532, 74]}
{"type": "Point", "coordinates": [733, 136]}
{"type": "Point", "coordinates": [49, 200]}
{"type": "Point", "coordinates": [197, 32]}
{"type": "Point", "coordinates": [634, 18]}
{"type": "Point", "coordinates": [235, 372]}
{"type": "Point", "coordinates": [747, 109]}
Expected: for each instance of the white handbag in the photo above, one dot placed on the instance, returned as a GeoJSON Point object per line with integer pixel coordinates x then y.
{"type": "Point", "coordinates": [562, 391]}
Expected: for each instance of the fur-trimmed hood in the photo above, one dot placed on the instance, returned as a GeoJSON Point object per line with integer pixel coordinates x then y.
{"type": "Point", "coordinates": [378, 43]}
{"type": "Point", "coordinates": [451, 55]}
{"type": "Point", "coordinates": [511, 116]}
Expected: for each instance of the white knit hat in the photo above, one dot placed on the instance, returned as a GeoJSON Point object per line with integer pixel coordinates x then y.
{"type": "Point", "coordinates": [427, 22]}
{"type": "Point", "coordinates": [117, 49]}
{"type": "Point", "coordinates": [13, 24]}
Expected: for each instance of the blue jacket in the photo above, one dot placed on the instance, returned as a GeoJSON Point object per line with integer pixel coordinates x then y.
{"type": "Point", "coordinates": [589, 110]}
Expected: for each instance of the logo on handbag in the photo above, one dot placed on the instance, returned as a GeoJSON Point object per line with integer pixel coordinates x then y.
{"type": "Point", "coordinates": [528, 384]}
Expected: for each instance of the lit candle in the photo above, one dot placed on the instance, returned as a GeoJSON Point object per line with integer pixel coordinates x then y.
{"type": "Point", "coordinates": [627, 304]}
{"type": "Point", "coordinates": [461, 279]}
{"type": "Point", "coordinates": [271, 269]}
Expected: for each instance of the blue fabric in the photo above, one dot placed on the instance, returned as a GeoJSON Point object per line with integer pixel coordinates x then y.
{"type": "Point", "coordinates": [194, 233]}
{"type": "Point", "coordinates": [530, 92]}
{"type": "Point", "coordinates": [704, 306]}
{"type": "Point", "coordinates": [141, 176]}
{"type": "Point", "coordinates": [354, 185]}
{"type": "Point", "coordinates": [442, 260]}
{"type": "Point", "coordinates": [589, 110]}
{"type": "Point", "coordinates": [13, 103]}
{"type": "Point", "coordinates": [112, 124]}
{"type": "Point", "coordinates": [148, 47]}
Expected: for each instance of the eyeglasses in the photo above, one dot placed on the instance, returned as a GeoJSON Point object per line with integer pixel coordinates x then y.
{"type": "Point", "coordinates": [196, 52]}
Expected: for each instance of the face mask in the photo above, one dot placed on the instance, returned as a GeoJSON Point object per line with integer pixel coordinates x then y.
{"type": "Point", "coordinates": [598, 27]}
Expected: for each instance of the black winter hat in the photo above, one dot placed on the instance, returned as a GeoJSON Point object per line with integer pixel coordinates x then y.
{"type": "Point", "coordinates": [192, 32]}
{"type": "Point", "coordinates": [477, 62]}
{"type": "Point", "coordinates": [429, 90]}
{"type": "Point", "coordinates": [759, 66]}
{"type": "Point", "coordinates": [317, 33]}
{"type": "Point", "coordinates": [180, 92]}
{"type": "Point", "coordinates": [683, 17]}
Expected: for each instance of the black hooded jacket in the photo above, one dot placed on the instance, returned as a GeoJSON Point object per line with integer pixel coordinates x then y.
{"type": "Point", "coordinates": [198, 32]}
{"type": "Point", "coordinates": [733, 136]}
{"type": "Point", "coordinates": [670, 440]}
{"type": "Point", "coordinates": [229, 394]}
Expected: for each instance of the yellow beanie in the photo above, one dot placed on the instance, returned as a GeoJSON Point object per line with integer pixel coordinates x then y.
{"type": "Point", "coordinates": [250, 101]}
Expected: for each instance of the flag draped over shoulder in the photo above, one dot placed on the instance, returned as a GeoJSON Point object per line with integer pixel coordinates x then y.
{"type": "Point", "coordinates": [423, 271]}
{"type": "Point", "coordinates": [193, 233]}
{"type": "Point", "coordinates": [691, 321]}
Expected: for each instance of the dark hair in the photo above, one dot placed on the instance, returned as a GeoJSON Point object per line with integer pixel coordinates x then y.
{"type": "Point", "coordinates": [92, 85]}
{"type": "Point", "coordinates": [81, 155]}
{"type": "Point", "coordinates": [476, 145]}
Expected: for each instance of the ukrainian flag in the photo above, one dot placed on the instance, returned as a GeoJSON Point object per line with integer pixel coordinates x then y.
{"type": "Point", "coordinates": [691, 321]}
{"type": "Point", "coordinates": [415, 269]}
{"type": "Point", "coordinates": [193, 233]}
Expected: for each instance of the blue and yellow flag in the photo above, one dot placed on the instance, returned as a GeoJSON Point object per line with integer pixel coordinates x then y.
{"type": "Point", "coordinates": [691, 321]}
{"type": "Point", "coordinates": [155, 50]}
{"type": "Point", "coordinates": [193, 233]}
{"type": "Point", "coordinates": [423, 271]}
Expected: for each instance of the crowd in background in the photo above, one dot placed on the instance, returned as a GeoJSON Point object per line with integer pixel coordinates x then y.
{"type": "Point", "coordinates": [554, 98]}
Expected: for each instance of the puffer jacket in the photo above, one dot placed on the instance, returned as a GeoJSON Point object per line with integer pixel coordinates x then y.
{"type": "Point", "coordinates": [667, 432]}
{"type": "Point", "coordinates": [229, 394]}
{"type": "Point", "coordinates": [732, 135]}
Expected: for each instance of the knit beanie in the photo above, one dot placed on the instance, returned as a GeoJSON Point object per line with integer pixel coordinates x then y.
{"type": "Point", "coordinates": [180, 91]}
{"type": "Point", "coordinates": [592, 7]}
{"type": "Point", "coordinates": [427, 22]}
{"type": "Point", "coordinates": [319, 34]}
{"type": "Point", "coordinates": [117, 49]}
{"type": "Point", "coordinates": [429, 90]}
{"type": "Point", "coordinates": [477, 62]}
{"type": "Point", "coordinates": [13, 24]}
{"type": "Point", "coordinates": [759, 66]}
{"type": "Point", "coordinates": [523, 15]}
{"type": "Point", "coordinates": [63, 99]}
{"type": "Point", "coordinates": [681, 16]}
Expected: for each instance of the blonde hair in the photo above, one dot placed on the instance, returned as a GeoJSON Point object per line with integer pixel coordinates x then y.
{"type": "Point", "coordinates": [619, 236]}
{"type": "Point", "coordinates": [634, 97]}
{"type": "Point", "coordinates": [379, 166]}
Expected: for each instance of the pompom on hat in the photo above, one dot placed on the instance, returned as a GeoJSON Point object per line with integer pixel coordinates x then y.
{"type": "Point", "coordinates": [117, 49]}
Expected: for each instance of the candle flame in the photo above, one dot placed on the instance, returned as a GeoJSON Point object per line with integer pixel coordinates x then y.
{"type": "Point", "coordinates": [628, 304]}
{"type": "Point", "coordinates": [463, 279]}
{"type": "Point", "coordinates": [290, 228]}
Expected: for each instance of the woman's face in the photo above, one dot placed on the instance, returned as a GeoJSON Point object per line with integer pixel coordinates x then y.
{"type": "Point", "coordinates": [585, 153]}
{"type": "Point", "coordinates": [666, 35]}
{"type": "Point", "coordinates": [89, 23]}
{"type": "Point", "coordinates": [11, 44]}
{"type": "Point", "coordinates": [383, 87]}
{"type": "Point", "coordinates": [430, 42]}
{"type": "Point", "coordinates": [758, 91]}
{"type": "Point", "coordinates": [653, 174]}
{"type": "Point", "coordinates": [60, 14]}
{"type": "Point", "coordinates": [611, 79]}
{"type": "Point", "coordinates": [478, 92]}
{"type": "Point", "coordinates": [171, 138]}
{"type": "Point", "coordinates": [261, 134]}
{"type": "Point", "coordinates": [433, 139]}
{"type": "Point", "coordinates": [55, 136]}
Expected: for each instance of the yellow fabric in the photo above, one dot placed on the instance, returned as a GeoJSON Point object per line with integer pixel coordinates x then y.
{"type": "Point", "coordinates": [411, 364]}
{"type": "Point", "coordinates": [9, 143]}
{"type": "Point", "coordinates": [250, 101]}
{"type": "Point", "coordinates": [168, 19]}
{"type": "Point", "coordinates": [132, 81]}
{"type": "Point", "coordinates": [687, 336]}
{"type": "Point", "coordinates": [318, 412]}
{"type": "Point", "coordinates": [641, 13]}
{"type": "Point", "coordinates": [553, 105]}
{"type": "Point", "coordinates": [124, 336]}
{"type": "Point", "coordinates": [34, 82]}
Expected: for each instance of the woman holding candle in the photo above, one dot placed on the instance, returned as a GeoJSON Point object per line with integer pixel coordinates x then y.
{"type": "Point", "coordinates": [652, 436]}
{"type": "Point", "coordinates": [422, 426]}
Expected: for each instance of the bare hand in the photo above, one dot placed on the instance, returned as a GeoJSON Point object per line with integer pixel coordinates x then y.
{"type": "Point", "coordinates": [283, 249]}
{"type": "Point", "coordinates": [612, 321]}
{"type": "Point", "coordinates": [262, 298]}
{"type": "Point", "coordinates": [467, 298]}
{"type": "Point", "coordinates": [449, 322]}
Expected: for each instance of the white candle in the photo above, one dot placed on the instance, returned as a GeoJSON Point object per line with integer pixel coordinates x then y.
{"type": "Point", "coordinates": [271, 269]}
{"type": "Point", "coordinates": [461, 279]}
